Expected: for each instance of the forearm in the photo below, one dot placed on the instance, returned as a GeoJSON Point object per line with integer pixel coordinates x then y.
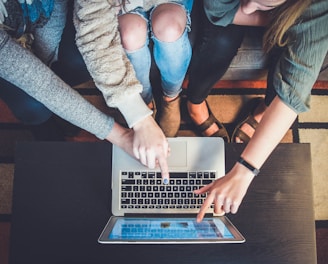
{"type": "Point", "coordinates": [121, 137]}
{"type": "Point", "coordinates": [228, 192]}
{"type": "Point", "coordinates": [275, 123]}
{"type": "Point", "coordinates": [23, 69]}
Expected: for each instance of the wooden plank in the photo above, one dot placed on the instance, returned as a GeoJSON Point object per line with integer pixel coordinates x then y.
{"type": "Point", "coordinates": [4, 242]}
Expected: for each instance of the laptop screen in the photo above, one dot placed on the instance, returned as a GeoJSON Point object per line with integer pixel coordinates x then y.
{"type": "Point", "coordinates": [167, 229]}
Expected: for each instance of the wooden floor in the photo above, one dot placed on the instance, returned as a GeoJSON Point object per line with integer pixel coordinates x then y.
{"type": "Point", "coordinates": [226, 101]}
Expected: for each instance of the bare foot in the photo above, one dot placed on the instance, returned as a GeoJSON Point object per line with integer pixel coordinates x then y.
{"type": "Point", "coordinates": [258, 114]}
{"type": "Point", "coordinates": [199, 114]}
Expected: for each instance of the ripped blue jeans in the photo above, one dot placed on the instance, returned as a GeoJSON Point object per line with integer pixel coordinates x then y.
{"type": "Point", "coordinates": [171, 58]}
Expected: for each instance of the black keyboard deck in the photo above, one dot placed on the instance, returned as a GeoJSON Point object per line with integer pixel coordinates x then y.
{"type": "Point", "coordinates": [146, 190]}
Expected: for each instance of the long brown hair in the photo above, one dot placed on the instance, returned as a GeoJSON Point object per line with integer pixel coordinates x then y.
{"type": "Point", "coordinates": [284, 17]}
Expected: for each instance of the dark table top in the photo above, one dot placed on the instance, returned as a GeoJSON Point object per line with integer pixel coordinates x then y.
{"type": "Point", "coordinates": [61, 203]}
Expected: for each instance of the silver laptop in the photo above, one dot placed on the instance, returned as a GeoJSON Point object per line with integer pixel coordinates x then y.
{"type": "Point", "coordinates": [147, 211]}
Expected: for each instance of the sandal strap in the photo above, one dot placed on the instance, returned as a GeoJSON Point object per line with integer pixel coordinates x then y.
{"type": "Point", "coordinates": [250, 120]}
{"type": "Point", "coordinates": [222, 132]}
{"type": "Point", "coordinates": [208, 122]}
{"type": "Point", "coordinates": [242, 135]}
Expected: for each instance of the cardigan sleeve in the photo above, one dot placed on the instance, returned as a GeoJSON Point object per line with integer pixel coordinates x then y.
{"type": "Point", "coordinates": [98, 40]}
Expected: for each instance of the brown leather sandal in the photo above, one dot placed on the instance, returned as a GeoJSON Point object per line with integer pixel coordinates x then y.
{"type": "Point", "coordinates": [250, 120]}
{"type": "Point", "coordinates": [222, 132]}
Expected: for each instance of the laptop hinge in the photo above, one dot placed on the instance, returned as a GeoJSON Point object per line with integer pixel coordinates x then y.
{"type": "Point", "coordinates": [175, 215]}
{"type": "Point", "coordinates": [160, 215]}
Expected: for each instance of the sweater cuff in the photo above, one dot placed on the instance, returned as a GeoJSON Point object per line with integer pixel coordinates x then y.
{"type": "Point", "coordinates": [134, 109]}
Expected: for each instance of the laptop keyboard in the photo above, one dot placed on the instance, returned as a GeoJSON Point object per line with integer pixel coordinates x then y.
{"type": "Point", "coordinates": [144, 189]}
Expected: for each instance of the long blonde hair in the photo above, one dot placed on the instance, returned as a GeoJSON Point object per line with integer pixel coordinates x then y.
{"type": "Point", "coordinates": [283, 17]}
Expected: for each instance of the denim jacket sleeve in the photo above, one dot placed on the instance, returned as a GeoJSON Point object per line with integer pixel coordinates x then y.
{"type": "Point", "coordinates": [299, 64]}
{"type": "Point", "coordinates": [98, 40]}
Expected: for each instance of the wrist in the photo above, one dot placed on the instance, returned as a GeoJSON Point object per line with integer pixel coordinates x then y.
{"type": "Point", "coordinates": [134, 110]}
{"type": "Point", "coordinates": [255, 171]}
{"type": "Point", "coordinates": [117, 134]}
{"type": "Point", "coordinates": [145, 123]}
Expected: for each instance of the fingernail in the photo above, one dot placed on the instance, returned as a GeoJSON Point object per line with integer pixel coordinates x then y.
{"type": "Point", "coordinates": [166, 181]}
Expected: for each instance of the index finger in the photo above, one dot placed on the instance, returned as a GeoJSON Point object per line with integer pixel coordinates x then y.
{"type": "Point", "coordinates": [164, 167]}
{"type": "Point", "coordinates": [207, 203]}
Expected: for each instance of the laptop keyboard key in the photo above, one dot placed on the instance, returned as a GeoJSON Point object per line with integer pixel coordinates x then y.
{"type": "Point", "coordinates": [145, 190]}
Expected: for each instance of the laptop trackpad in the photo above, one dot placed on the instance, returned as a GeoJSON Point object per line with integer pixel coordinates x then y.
{"type": "Point", "coordinates": [178, 156]}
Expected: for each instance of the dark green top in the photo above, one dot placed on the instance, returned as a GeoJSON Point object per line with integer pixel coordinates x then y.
{"type": "Point", "coordinates": [299, 65]}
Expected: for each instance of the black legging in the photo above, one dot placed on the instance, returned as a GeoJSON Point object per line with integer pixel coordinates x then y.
{"type": "Point", "coordinates": [214, 50]}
